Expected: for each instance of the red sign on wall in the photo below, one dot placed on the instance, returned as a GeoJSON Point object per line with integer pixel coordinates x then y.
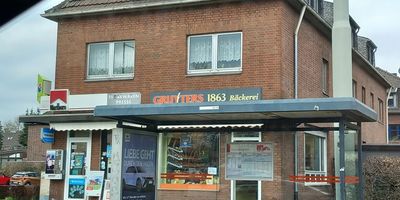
{"type": "Point", "coordinates": [59, 99]}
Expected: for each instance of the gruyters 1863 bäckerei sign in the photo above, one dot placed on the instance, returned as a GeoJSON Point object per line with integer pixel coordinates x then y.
{"type": "Point", "coordinates": [202, 96]}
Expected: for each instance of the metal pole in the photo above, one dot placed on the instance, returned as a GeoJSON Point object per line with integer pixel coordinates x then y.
{"type": "Point", "coordinates": [360, 164]}
{"type": "Point", "coordinates": [342, 161]}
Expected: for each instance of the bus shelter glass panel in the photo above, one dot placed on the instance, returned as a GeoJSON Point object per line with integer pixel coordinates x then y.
{"type": "Point", "coordinates": [315, 171]}
{"type": "Point", "coordinates": [351, 165]}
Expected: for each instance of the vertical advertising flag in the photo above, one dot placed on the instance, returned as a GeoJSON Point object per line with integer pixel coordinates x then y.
{"type": "Point", "coordinates": [43, 87]}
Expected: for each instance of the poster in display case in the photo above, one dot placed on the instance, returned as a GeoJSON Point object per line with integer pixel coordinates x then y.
{"type": "Point", "coordinates": [54, 164]}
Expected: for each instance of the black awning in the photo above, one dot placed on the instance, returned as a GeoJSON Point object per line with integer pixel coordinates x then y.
{"type": "Point", "coordinates": [313, 110]}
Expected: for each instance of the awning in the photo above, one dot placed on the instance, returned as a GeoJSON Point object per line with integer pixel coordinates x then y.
{"type": "Point", "coordinates": [211, 126]}
{"type": "Point", "coordinates": [285, 112]}
{"type": "Point", "coordinates": [62, 117]}
{"type": "Point", "coordinates": [83, 126]}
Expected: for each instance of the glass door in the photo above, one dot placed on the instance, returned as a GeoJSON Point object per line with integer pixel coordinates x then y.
{"type": "Point", "coordinates": [246, 189]}
{"type": "Point", "coordinates": [78, 164]}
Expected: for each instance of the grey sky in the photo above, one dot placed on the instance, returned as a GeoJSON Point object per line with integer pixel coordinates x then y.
{"type": "Point", "coordinates": [28, 47]}
{"type": "Point", "coordinates": [378, 22]}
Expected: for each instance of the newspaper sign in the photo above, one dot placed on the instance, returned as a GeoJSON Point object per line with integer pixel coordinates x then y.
{"type": "Point", "coordinates": [249, 161]}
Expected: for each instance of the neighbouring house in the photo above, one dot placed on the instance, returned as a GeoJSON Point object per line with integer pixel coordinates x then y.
{"type": "Point", "coordinates": [393, 106]}
{"type": "Point", "coordinates": [196, 99]}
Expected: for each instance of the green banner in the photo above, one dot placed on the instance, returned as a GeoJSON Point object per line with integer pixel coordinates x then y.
{"type": "Point", "coordinates": [43, 87]}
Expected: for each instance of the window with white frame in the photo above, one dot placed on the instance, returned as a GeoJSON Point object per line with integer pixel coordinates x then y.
{"type": "Point", "coordinates": [315, 152]}
{"type": "Point", "coordinates": [111, 59]}
{"type": "Point", "coordinates": [213, 53]}
{"type": "Point", "coordinates": [392, 101]}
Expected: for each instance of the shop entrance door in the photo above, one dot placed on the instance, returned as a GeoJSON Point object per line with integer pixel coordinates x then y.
{"type": "Point", "coordinates": [77, 165]}
{"type": "Point", "coordinates": [246, 189]}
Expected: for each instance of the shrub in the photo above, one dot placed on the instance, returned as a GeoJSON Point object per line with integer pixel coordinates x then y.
{"type": "Point", "coordinates": [382, 177]}
{"type": "Point", "coordinates": [19, 192]}
{"type": "Point", "coordinates": [12, 167]}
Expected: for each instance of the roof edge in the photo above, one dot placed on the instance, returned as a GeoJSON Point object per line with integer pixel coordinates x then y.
{"type": "Point", "coordinates": [373, 71]}
{"type": "Point", "coordinates": [154, 5]}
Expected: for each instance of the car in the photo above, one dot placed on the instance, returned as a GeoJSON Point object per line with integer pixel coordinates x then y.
{"type": "Point", "coordinates": [25, 178]}
{"type": "Point", "coordinates": [4, 180]}
{"type": "Point", "coordinates": [136, 176]}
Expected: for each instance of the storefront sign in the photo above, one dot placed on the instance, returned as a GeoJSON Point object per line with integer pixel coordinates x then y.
{"type": "Point", "coordinates": [47, 135]}
{"type": "Point", "coordinates": [139, 167]}
{"type": "Point", "coordinates": [124, 98]}
{"type": "Point", "coordinates": [94, 183]}
{"type": "Point", "coordinates": [202, 96]}
{"type": "Point", "coordinates": [59, 99]}
{"type": "Point", "coordinates": [249, 161]}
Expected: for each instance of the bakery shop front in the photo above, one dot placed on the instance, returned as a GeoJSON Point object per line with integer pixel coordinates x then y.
{"type": "Point", "coordinates": [242, 149]}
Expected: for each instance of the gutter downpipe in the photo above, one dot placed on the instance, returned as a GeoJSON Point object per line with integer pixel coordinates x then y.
{"type": "Point", "coordinates": [387, 115]}
{"type": "Point", "coordinates": [296, 66]}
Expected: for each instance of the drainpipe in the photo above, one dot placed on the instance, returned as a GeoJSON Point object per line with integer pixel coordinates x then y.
{"type": "Point", "coordinates": [387, 115]}
{"type": "Point", "coordinates": [296, 59]}
{"type": "Point", "coordinates": [296, 66]}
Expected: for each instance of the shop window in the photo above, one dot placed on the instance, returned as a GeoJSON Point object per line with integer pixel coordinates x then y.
{"type": "Point", "coordinates": [315, 155]}
{"type": "Point", "coordinates": [111, 60]}
{"type": "Point", "coordinates": [215, 53]}
{"type": "Point", "coordinates": [392, 101]}
{"type": "Point", "coordinates": [190, 161]}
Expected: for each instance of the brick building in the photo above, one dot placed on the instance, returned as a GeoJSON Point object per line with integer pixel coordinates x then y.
{"type": "Point", "coordinates": [393, 106]}
{"type": "Point", "coordinates": [214, 79]}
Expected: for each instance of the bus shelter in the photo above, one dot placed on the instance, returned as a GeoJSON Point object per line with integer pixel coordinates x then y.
{"type": "Point", "coordinates": [340, 116]}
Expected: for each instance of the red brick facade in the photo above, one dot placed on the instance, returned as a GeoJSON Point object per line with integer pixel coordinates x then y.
{"type": "Point", "coordinates": [36, 150]}
{"type": "Point", "coordinates": [161, 65]}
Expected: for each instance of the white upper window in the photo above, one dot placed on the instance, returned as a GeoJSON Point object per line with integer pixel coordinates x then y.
{"type": "Point", "coordinates": [111, 60]}
{"type": "Point", "coordinates": [215, 53]}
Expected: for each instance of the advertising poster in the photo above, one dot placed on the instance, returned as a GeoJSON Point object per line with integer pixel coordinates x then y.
{"type": "Point", "coordinates": [139, 167]}
{"type": "Point", "coordinates": [50, 161]}
{"type": "Point", "coordinates": [76, 188]}
{"type": "Point", "coordinates": [54, 164]}
{"type": "Point", "coordinates": [249, 161]}
{"type": "Point", "coordinates": [94, 183]}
